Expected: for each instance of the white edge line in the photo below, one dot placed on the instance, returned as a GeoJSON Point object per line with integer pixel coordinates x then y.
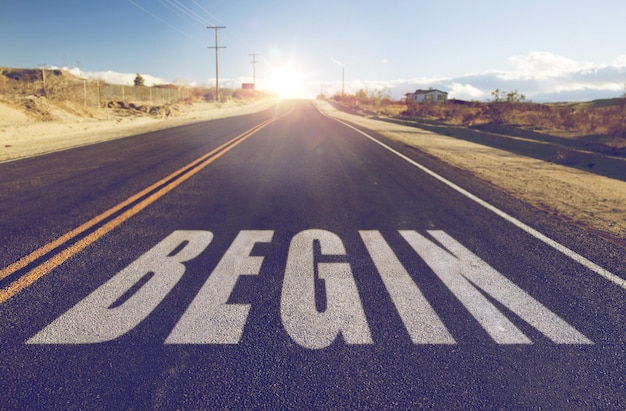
{"type": "Point", "coordinates": [541, 237]}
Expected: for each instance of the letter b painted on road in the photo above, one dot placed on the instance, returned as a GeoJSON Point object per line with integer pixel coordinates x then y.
{"type": "Point", "coordinates": [102, 317]}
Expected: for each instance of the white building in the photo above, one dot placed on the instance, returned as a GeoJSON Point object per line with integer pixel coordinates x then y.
{"type": "Point", "coordinates": [427, 96]}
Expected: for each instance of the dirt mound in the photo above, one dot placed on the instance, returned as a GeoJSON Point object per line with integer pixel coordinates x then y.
{"type": "Point", "coordinates": [31, 81]}
{"type": "Point", "coordinates": [40, 109]}
{"type": "Point", "coordinates": [37, 107]}
{"type": "Point", "coordinates": [32, 75]}
{"type": "Point", "coordinates": [12, 116]}
{"type": "Point", "coordinates": [124, 108]}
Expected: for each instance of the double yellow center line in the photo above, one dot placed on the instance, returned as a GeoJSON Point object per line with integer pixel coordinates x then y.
{"type": "Point", "coordinates": [62, 249]}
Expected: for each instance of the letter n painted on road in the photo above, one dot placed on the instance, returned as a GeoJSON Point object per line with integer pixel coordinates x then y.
{"type": "Point", "coordinates": [343, 314]}
{"type": "Point", "coordinates": [209, 320]}
{"type": "Point", "coordinates": [419, 318]}
{"type": "Point", "coordinates": [462, 272]}
{"type": "Point", "coordinates": [116, 307]}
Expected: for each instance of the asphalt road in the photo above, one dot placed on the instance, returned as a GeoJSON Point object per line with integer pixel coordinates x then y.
{"type": "Point", "coordinates": [284, 260]}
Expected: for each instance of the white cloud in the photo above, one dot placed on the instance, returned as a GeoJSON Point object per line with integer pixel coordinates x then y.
{"type": "Point", "coordinates": [113, 77]}
{"type": "Point", "coordinates": [465, 92]}
{"type": "Point", "coordinates": [543, 65]}
{"type": "Point", "coordinates": [540, 76]}
{"type": "Point", "coordinates": [620, 61]}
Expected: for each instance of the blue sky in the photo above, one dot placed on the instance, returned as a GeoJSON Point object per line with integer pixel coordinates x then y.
{"type": "Point", "coordinates": [548, 50]}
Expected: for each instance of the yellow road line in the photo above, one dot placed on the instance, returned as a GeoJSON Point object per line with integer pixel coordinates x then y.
{"type": "Point", "coordinates": [63, 255]}
{"type": "Point", "coordinates": [24, 261]}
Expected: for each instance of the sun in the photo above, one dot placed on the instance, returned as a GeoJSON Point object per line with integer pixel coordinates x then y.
{"type": "Point", "coordinates": [288, 82]}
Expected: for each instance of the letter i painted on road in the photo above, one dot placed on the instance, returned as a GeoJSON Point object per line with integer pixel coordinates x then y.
{"type": "Point", "coordinates": [464, 273]}
{"type": "Point", "coordinates": [419, 318]}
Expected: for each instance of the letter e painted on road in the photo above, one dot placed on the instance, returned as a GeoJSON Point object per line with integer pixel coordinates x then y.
{"type": "Point", "coordinates": [208, 319]}
{"type": "Point", "coordinates": [95, 320]}
{"type": "Point", "coordinates": [343, 314]}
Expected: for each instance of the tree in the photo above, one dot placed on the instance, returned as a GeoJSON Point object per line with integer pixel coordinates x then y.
{"type": "Point", "coordinates": [515, 97]}
{"type": "Point", "coordinates": [139, 80]}
{"type": "Point", "coordinates": [496, 95]}
{"type": "Point", "coordinates": [507, 96]}
{"type": "Point", "coordinates": [361, 96]}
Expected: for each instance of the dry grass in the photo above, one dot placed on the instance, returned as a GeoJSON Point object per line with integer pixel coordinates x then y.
{"type": "Point", "coordinates": [576, 119]}
{"type": "Point", "coordinates": [603, 118]}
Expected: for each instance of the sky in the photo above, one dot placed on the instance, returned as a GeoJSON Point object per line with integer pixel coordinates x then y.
{"type": "Point", "coordinates": [548, 50]}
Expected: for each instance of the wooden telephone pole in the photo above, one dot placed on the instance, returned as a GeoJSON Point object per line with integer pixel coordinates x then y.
{"type": "Point", "coordinates": [217, 47]}
{"type": "Point", "coordinates": [254, 68]}
{"type": "Point", "coordinates": [43, 77]}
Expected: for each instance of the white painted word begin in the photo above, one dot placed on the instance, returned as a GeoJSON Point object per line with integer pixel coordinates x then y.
{"type": "Point", "coordinates": [124, 301]}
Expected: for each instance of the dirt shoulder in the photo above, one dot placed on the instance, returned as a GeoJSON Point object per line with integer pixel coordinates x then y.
{"type": "Point", "coordinates": [592, 201]}
{"type": "Point", "coordinates": [23, 135]}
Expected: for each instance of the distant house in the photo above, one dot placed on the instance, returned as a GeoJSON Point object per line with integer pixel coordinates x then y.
{"type": "Point", "coordinates": [427, 96]}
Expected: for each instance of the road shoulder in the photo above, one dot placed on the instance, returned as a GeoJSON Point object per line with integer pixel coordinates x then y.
{"type": "Point", "coordinates": [22, 137]}
{"type": "Point", "coordinates": [594, 202]}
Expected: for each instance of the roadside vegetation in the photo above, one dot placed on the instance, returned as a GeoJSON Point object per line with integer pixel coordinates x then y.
{"type": "Point", "coordinates": [602, 118]}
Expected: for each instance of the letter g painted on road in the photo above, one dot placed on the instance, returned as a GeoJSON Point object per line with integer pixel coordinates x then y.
{"type": "Point", "coordinates": [344, 313]}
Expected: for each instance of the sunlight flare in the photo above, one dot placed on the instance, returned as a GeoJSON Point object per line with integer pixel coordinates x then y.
{"type": "Point", "coordinates": [288, 82]}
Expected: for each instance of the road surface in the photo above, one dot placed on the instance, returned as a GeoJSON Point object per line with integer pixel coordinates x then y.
{"type": "Point", "coordinates": [285, 260]}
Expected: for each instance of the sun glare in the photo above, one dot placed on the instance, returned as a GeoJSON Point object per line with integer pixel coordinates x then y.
{"type": "Point", "coordinates": [288, 83]}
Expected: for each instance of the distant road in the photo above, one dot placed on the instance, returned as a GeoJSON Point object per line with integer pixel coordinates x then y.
{"type": "Point", "coordinates": [285, 260]}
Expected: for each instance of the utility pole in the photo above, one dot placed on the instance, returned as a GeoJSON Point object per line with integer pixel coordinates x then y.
{"type": "Point", "coordinates": [217, 77]}
{"type": "Point", "coordinates": [43, 76]}
{"type": "Point", "coordinates": [342, 74]}
{"type": "Point", "coordinates": [254, 68]}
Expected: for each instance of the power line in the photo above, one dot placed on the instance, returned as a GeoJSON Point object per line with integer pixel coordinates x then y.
{"type": "Point", "coordinates": [148, 12]}
{"type": "Point", "coordinates": [217, 47]}
{"type": "Point", "coordinates": [186, 10]}
{"type": "Point", "coordinates": [172, 10]}
{"type": "Point", "coordinates": [178, 13]}
{"type": "Point", "coordinates": [207, 12]}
